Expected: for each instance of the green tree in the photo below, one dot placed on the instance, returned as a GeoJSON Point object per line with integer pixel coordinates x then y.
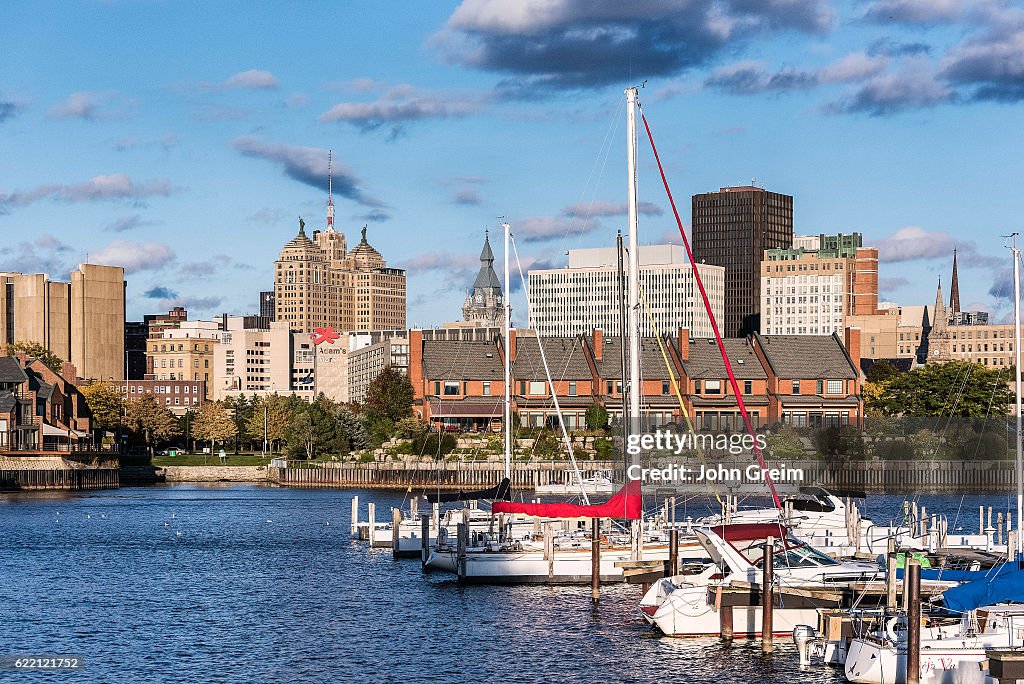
{"type": "Point", "coordinates": [957, 388]}
{"type": "Point", "coordinates": [785, 443]}
{"type": "Point", "coordinates": [106, 404]}
{"type": "Point", "coordinates": [213, 423]}
{"type": "Point", "coordinates": [881, 371]}
{"type": "Point", "coordinates": [388, 400]}
{"type": "Point", "coordinates": [314, 429]}
{"type": "Point", "coordinates": [271, 415]}
{"type": "Point", "coordinates": [241, 411]}
{"type": "Point", "coordinates": [52, 361]}
{"type": "Point", "coordinates": [149, 418]}
{"type": "Point", "coordinates": [596, 417]}
{"type": "Point", "coordinates": [353, 431]}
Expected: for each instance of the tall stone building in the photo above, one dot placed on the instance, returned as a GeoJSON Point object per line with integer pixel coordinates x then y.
{"type": "Point", "coordinates": [732, 228]}
{"type": "Point", "coordinates": [82, 321]}
{"type": "Point", "coordinates": [319, 283]}
{"type": "Point", "coordinates": [485, 305]}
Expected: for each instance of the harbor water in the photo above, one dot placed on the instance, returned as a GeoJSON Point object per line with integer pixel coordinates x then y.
{"type": "Point", "coordinates": [240, 583]}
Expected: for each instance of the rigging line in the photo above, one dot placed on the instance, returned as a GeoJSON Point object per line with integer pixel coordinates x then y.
{"type": "Point", "coordinates": [711, 317]}
{"type": "Point", "coordinates": [675, 385]}
{"type": "Point", "coordinates": [547, 373]}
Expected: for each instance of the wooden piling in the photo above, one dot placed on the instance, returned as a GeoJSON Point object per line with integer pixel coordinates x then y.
{"type": "Point", "coordinates": [372, 523]}
{"type": "Point", "coordinates": [890, 575]}
{"type": "Point", "coordinates": [595, 560]}
{"type": "Point", "coordinates": [999, 528]}
{"type": "Point", "coordinates": [672, 567]}
{"type": "Point", "coordinates": [725, 629]}
{"type": "Point", "coordinates": [396, 526]}
{"type": "Point", "coordinates": [424, 539]}
{"type": "Point", "coordinates": [549, 547]}
{"type": "Point", "coordinates": [912, 572]}
{"type": "Point", "coordinates": [767, 603]}
{"type": "Point", "coordinates": [355, 515]}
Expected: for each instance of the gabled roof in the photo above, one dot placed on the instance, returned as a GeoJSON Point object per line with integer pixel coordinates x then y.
{"type": "Point", "coordinates": [7, 402]}
{"type": "Point", "coordinates": [807, 356]}
{"type": "Point", "coordinates": [11, 370]}
{"type": "Point", "coordinates": [652, 363]}
{"type": "Point", "coordinates": [461, 360]}
{"type": "Point", "coordinates": [566, 356]}
{"type": "Point", "coordinates": [705, 360]}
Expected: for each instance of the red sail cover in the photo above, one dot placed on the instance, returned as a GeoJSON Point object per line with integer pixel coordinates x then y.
{"type": "Point", "coordinates": [627, 503]}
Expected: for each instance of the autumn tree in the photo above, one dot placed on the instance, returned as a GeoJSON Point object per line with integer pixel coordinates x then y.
{"type": "Point", "coordinates": [51, 360]}
{"type": "Point", "coordinates": [149, 418]}
{"type": "Point", "coordinates": [269, 417]}
{"type": "Point", "coordinates": [106, 404]}
{"type": "Point", "coordinates": [213, 423]}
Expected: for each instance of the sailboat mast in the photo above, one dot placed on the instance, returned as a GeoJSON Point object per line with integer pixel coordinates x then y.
{"type": "Point", "coordinates": [1015, 251]}
{"type": "Point", "coordinates": [633, 302]}
{"type": "Point", "coordinates": [507, 419]}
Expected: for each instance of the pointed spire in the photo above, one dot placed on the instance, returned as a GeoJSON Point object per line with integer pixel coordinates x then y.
{"type": "Point", "coordinates": [330, 190]}
{"type": "Point", "coordinates": [939, 313]}
{"type": "Point", "coordinates": [954, 290]}
{"type": "Point", "coordinates": [486, 255]}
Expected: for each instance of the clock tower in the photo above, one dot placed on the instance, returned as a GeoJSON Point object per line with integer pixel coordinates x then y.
{"type": "Point", "coordinates": [484, 303]}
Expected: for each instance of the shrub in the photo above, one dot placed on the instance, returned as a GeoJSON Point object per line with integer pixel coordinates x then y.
{"type": "Point", "coordinates": [430, 443]}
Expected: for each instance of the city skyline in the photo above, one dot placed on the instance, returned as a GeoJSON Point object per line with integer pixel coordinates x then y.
{"type": "Point", "coordinates": [188, 158]}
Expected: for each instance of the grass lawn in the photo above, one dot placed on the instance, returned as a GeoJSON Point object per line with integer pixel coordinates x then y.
{"type": "Point", "coordinates": [210, 459]}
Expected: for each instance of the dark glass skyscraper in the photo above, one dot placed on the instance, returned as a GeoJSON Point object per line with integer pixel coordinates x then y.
{"type": "Point", "coordinates": [732, 228]}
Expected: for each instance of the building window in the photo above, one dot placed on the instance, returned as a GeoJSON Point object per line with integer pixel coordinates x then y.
{"type": "Point", "coordinates": [538, 388]}
{"type": "Point", "coordinates": [712, 387]}
{"type": "Point", "coordinates": [696, 386]}
{"type": "Point", "coordinates": [820, 387]}
{"type": "Point", "coordinates": [835, 386]}
{"type": "Point", "coordinates": [487, 389]}
{"type": "Point", "coordinates": [796, 387]}
{"type": "Point", "coordinates": [451, 388]}
{"type": "Point", "coordinates": [572, 388]}
{"type": "Point", "coordinates": [748, 387]}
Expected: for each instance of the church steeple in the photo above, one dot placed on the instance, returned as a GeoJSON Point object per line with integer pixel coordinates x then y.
{"type": "Point", "coordinates": [484, 302]}
{"type": "Point", "coordinates": [939, 315]}
{"type": "Point", "coordinates": [954, 290]}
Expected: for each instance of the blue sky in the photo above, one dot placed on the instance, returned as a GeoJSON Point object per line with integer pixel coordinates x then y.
{"type": "Point", "coordinates": [184, 140]}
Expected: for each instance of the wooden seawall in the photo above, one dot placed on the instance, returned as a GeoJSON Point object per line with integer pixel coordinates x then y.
{"type": "Point", "coordinates": [876, 477]}
{"type": "Point", "coordinates": [64, 478]}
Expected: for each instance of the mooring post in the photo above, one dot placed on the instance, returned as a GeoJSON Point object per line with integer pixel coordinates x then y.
{"type": "Point", "coordinates": [371, 523]}
{"type": "Point", "coordinates": [595, 560]}
{"type": "Point", "coordinates": [461, 538]}
{"type": "Point", "coordinates": [436, 513]}
{"type": "Point", "coordinates": [767, 602]}
{"type": "Point", "coordinates": [424, 539]}
{"type": "Point", "coordinates": [725, 630]}
{"type": "Point", "coordinates": [999, 528]}
{"type": "Point", "coordinates": [981, 520]}
{"type": "Point", "coordinates": [1011, 545]}
{"type": "Point", "coordinates": [355, 516]}
{"type": "Point", "coordinates": [414, 507]}
{"type": "Point", "coordinates": [396, 526]}
{"type": "Point", "coordinates": [912, 572]}
{"type": "Point", "coordinates": [549, 547]}
{"type": "Point", "coordinates": [890, 575]}
{"type": "Point", "coordinates": [672, 567]}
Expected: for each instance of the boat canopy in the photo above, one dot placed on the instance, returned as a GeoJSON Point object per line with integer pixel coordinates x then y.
{"type": "Point", "coordinates": [627, 504]}
{"type": "Point", "coordinates": [999, 586]}
{"type": "Point", "coordinates": [502, 491]}
{"type": "Point", "coordinates": [750, 531]}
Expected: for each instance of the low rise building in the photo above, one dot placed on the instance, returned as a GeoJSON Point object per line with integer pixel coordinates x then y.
{"type": "Point", "coordinates": [178, 396]}
{"type": "Point", "coordinates": [40, 410]}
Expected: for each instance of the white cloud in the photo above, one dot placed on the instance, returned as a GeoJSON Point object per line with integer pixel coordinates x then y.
{"type": "Point", "coordinates": [133, 256]}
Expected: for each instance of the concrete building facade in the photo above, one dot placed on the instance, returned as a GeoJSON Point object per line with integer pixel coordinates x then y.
{"type": "Point", "coordinates": [586, 294]}
{"type": "Point", "coordinates": [82, 321]}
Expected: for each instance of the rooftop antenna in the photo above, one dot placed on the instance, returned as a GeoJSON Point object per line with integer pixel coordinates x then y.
{"type": "Point", "coordinates": [330, 190]}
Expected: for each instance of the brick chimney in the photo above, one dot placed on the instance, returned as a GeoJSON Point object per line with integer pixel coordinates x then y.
{"type": "Point", "coordinates": [851, 339]}
{"type": "Point", "coordinates": [512, 345]}
{"type": "Point", "coordinates": [416, 363]}
{"type": "Point", "coordinates": [598, 344]}
{"type": "Point", "coordinates": [69, 372]}
{"type": "Point", "coordinates": [684, 344]}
